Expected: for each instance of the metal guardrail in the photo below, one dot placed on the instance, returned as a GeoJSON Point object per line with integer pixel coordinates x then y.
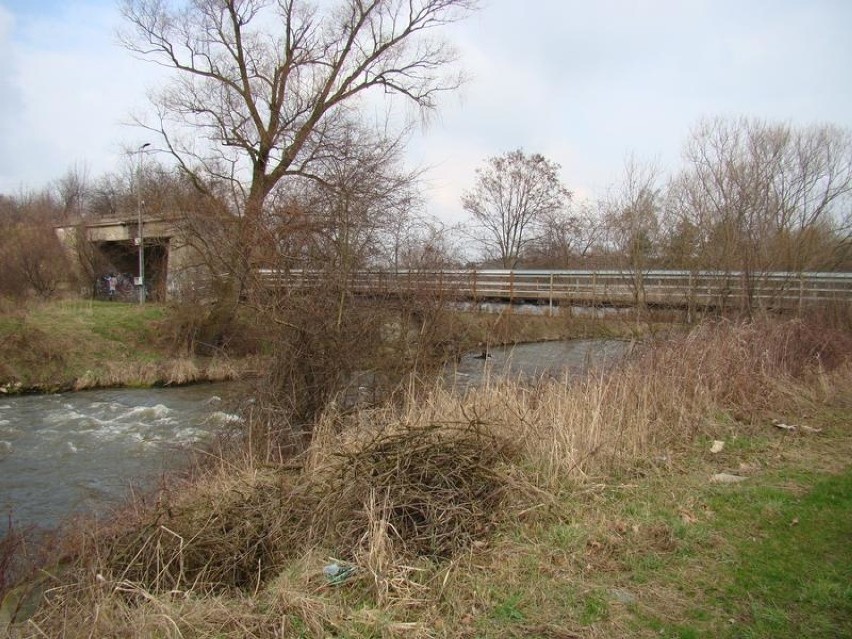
{"type": "Point", "coordinates": [691, 289]}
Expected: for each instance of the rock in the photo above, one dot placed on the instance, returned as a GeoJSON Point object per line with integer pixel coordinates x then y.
{"type": "Point", "coordinates": [727, 478]}
{"type": "Point", "coordinates": [717, 446]}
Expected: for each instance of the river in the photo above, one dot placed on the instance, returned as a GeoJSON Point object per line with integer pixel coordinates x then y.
{"type": "Point", "coordinates": [79, 452]}
{"type": "Point", "coordinates": [532, 361]}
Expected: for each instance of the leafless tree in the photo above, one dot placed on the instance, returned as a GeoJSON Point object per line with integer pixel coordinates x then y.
{"type": "Point", "coordinates": [514, 196]}
{"type": "Point", "coordinates": [362, 191]}
{"type": "Point", "coordinates": [359, 192]}
{"type": "Point", "coordinates": [569, 238]}
{"type": "Point", "coordinates": [73, 191]}
{"type": "Point", "coordinates": [758, 197]}
{"type": "Point", "coordinates": [422, 243]}
{"type": "Point", "coordinates": [263, 87]}
{"type": "Point", "coordinates": [632, 223]}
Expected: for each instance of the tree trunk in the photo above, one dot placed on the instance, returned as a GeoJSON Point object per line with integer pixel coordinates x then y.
{"type": "Point", "coordinates": [231, 288]}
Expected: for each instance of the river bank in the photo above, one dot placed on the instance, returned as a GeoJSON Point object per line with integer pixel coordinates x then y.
{"type": "Point", "coordinates": [64, 346]}
{"type": "Point", "coordinates": [701, 490]}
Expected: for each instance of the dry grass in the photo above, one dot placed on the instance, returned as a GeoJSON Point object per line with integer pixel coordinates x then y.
{"type": "Point", "coordinates": [167, 372]}
{"type": "Point", "coordinates": [404, 493]}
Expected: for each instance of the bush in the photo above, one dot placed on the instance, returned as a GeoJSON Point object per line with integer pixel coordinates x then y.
{"type": "Point", "coordinates": [32, 261]}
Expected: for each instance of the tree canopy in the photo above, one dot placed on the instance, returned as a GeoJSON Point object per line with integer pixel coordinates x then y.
{"type": "Point", "coordinates": [513, 198]}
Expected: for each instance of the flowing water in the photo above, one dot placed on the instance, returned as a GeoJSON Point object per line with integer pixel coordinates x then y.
{"type": "Point", "coordinates": [80, 452]}
{"type": "Point", "coordinates": [77, 452]}
{"type": "Point", "coordinates": [533, 361]}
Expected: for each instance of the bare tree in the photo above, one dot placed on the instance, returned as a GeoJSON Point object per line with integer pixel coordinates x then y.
{"type": "Point", "coordinates": [423, 243]}
{"type": "Point", "coordinates": [263, 87]}
{"type": "Point", "coordinates": [513, 198]}
{"type": "Point", "coordinates": [632, 223]}
{"type": "Point", "coordinates": [361, 193]}
{"type": "Point", "coordinates": [758, 197]}
{"type": "Point", "coordinates": [568, 239]}
{"type": "Point", "coordinates": [73, 191]}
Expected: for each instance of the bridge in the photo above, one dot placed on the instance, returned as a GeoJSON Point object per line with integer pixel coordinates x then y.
{"type": "Point", "coordinates": [165, 253]}
{"type": "Point", "coordinates": [693, 290]}
{"type": "Point", "coordinates": [167, 257]}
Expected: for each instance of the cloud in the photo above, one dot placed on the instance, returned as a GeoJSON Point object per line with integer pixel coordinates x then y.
{"type": "Point", "coordinates": [10, 99]}
{"type": "Point", "coordinates": [71, 89]}
{"type": "Point", "coordinates": [584, 83]}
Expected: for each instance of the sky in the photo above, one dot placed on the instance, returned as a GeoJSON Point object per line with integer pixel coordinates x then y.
{"type": "Point", "coordinates": [585, 83]}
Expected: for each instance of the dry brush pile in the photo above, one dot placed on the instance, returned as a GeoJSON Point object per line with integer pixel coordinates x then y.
{"type": "Point", "coordinates": [403, 493]}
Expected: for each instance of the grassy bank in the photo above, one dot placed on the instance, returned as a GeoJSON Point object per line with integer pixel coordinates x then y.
{"type": "Point", "coordinates": [559, 510]}
{"type": "Point", "coordinates": [75, 345]}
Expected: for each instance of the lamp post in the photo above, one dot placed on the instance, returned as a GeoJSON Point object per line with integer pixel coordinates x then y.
{"type": "Point", "coordinates": [140, 234]}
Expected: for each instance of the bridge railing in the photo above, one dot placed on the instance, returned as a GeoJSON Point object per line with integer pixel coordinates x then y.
{"type": "Point", "coordinates": [611, 287]}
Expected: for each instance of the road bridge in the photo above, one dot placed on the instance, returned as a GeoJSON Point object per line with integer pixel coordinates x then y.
{"type": "Point", "coordinates": [117, 241]}
{"type": "Point", "coordinates": [683, 289]}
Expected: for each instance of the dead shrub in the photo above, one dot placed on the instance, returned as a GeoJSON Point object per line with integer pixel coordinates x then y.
{"type": "Point", "coordinates": [741, 366]}
{"type": "Point", "coordinates": [437, 488]}
{"type": "Point", "coordinates": [327, 346]}
{"type": "Point", "coordinates": [432, 490]}
{"type": "Point", "coordinates": [835, 315]}
{"type": "Point", "coordinates": [219, 537]}
{"type": "Point", "coordinates": [32, 261]}
{"type": "Point", "coordinates": [188, 327]}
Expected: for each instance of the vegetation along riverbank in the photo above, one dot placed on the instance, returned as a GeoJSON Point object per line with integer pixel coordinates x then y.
{"type": "Point", "coordinates": [75, 345]}
{"type": "Point", "coordinates": [700, 490]}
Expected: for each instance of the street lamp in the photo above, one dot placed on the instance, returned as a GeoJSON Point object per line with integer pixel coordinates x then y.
{"type": "Point", "coordinates": [140, 234]}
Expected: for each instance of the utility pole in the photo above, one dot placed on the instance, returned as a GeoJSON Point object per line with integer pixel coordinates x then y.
{"type": "Point", "coordinates": [140, 234]}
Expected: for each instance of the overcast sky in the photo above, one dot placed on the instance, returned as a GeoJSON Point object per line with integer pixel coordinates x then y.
{"type": "Point", "coordinates": [583, 82]}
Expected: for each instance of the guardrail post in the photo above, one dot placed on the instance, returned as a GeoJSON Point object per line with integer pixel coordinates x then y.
{"type": "Point", "coordinates": [473, 291]}
{"type": "Point", "coordinates": [594, 288]}
{"type": "Point", "coordinates": [550, 296]}
{"type": "Point", "coordinates": [690, 300]}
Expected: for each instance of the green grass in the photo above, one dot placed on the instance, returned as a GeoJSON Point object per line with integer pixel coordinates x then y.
{"type": "Point", "coordinates": [51, 344]}
{"type": "Point", "coordinates": [775, 562]}
{"type": "Point", "coordinates": [673, 555]}
{"type": "Point", "coordinates": [794, 574]}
